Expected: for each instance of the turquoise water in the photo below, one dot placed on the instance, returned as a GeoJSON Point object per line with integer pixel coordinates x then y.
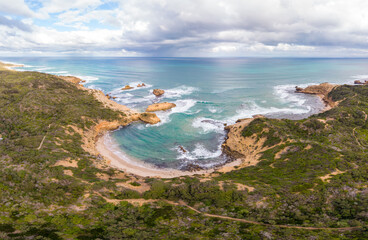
{"type": "Point", "coordinates": [208, 93]}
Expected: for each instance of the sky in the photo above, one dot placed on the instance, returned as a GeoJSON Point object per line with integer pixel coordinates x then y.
{"type": "Point", "coordinates": [184, 28]}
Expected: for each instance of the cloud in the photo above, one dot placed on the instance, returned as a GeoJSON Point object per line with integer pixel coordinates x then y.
{"type": "Point", "coordinates": [189, 28]}
{"type": "Point", "coordinates": [14, 24]}
{"type": "Point", "coordinates": [15, 7]}
{"type": "Point", "coordinates": [56, 6]}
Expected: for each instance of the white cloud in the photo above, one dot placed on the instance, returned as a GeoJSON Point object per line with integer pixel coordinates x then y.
{"type": "Point", "coordinates": [56, 6]}
{"type": "Point", "coordinates": [224, 48]}
{"type": "Point", "coordinates": [15, 7]}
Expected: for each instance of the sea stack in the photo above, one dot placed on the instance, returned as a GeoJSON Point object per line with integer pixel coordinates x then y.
{"type": "Point", "coordinates": [158, 92]}
{"type": "Point", "coordinates": [160, 107]}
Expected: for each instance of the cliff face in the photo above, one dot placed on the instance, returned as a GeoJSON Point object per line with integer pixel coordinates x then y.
{"type": "Point", "coordinates": [245, 148]}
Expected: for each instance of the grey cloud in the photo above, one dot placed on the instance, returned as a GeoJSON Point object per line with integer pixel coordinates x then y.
{"type": "Point", "coordinates": [11, 23]}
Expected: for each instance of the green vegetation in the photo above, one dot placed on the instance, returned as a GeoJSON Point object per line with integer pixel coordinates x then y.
{"type": "Point", "coordinates": [292, 185]}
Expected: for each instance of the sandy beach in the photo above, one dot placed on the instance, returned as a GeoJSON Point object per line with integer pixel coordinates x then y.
{"type": "Point", "coordinates": [116, 158]}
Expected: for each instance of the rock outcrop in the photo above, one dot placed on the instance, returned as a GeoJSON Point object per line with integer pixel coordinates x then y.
{"type": "Point", "coordinates": [149, 117]}
{"type": "Point", "coordinates": [192, 167]}
{"type": "Point", "coordinates": [158, 92]}
{"type": "Point", "coordinates": [141, 85]}
{"type": "Point", "coordinates": [322, 90]}
{"type": "Point", "coordinates": [160, 107]}
{"type": "Point", "coordinates": [245, 148]}
{"type": "Point", "coordinates": [360, 82]}
{"type": "Point", "coordinates": [127, 87]}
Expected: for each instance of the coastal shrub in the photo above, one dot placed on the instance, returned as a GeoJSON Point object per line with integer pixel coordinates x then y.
{"type": "Point", "coordinates": [320, 180]}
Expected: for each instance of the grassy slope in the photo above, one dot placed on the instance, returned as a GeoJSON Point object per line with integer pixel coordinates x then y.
{"type": "Point", "coordinates": [37, 199]}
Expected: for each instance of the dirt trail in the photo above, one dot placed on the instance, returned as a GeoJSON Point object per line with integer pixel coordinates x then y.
{"type": "Point", "coordinates": [43, 139]}
{"type": "Point", "coordinates": [183, 204]}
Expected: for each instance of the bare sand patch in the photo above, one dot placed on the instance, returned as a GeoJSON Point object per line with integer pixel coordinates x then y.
{"type": "Point", "coordinates": [67, 163]}
{"type": "Point", "coordinates": [327, 177]}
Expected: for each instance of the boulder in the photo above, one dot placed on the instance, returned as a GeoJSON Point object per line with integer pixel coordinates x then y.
{"type": "Point", "coordinates": [158, 92]}
{"type": "Point", "coordinates": [127, 87]}
{"type": "Point", "coordinates": [149, 117]}
{"type": "Point", "coordinates": [160, 107]}
{"type": "Point", "coordinates": [141, 85]}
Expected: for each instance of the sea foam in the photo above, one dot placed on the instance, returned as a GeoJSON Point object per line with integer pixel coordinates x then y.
{"type": "Point", "coordinates": [199, 152]}
{"type": "Point", "coordinates": [88, 79]}
{"type": "Point", "coordinates": [179, 91]}
{"type": "Point", "coordinates": [182, 106]}
{"type": "Point", "coordinates": [207, 125]}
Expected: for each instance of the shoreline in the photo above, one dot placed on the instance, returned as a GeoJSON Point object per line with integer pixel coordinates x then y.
{"type": "Point", "coordinates": [101, 132]}
{"type": "Point", "coordinates": [142, 169]}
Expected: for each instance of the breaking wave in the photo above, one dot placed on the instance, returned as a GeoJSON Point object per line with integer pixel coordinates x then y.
{"type": "Point", "coordinates": [179, 91]}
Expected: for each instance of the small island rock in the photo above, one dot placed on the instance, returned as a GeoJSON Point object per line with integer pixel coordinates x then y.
{"type": "Point", "coordinates": [127, 87]}
{"type": "Point", "coordinates": [149, 117]}
{"type": "Point", "coordinates": [160, 107]}
{"type": "Point", "coordinates": [158, 92]}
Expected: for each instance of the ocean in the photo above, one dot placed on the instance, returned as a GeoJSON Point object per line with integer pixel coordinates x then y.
{"type": "Point", "coordinates": [209, 93]}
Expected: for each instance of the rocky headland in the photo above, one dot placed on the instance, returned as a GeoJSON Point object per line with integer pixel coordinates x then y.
{"type": "Point", "coordinates": [247, 148]}
{"type": "Point", "coordinates": [322, 90]}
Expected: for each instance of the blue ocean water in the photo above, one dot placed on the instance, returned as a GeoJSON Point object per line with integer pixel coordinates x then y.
{"type": "Point", "coordinates": [208, 92]}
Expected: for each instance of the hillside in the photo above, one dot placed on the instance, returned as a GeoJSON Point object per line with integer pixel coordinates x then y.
{"type": "Point", "coordinates": [310, 180]}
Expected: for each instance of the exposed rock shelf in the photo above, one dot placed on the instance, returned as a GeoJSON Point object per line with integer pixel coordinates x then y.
{"type": "Point", "coordinates": [160, 107]}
